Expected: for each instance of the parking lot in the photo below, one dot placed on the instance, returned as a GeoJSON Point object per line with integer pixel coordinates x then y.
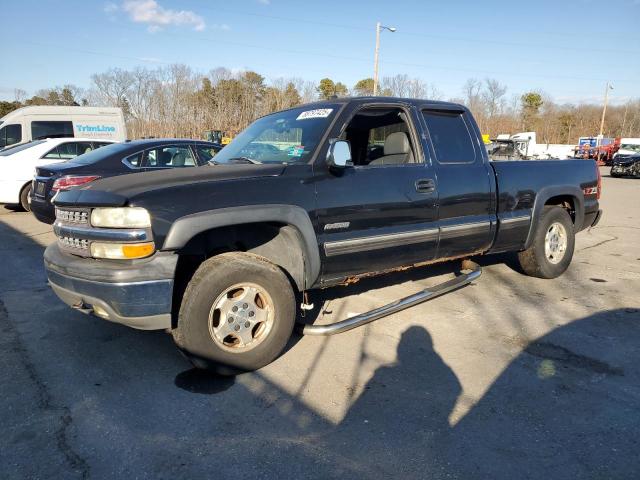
{"type": "Point", "coordinates": [512, 377]}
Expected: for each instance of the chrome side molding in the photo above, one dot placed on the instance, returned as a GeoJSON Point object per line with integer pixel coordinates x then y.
{"type": "Point", "coordinates": [353, 245]}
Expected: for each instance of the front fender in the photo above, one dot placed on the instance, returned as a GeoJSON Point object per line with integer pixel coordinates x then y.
{"type": "Point", "coordinates": [187, 227]}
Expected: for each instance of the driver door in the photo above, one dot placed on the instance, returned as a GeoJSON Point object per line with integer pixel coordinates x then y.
{"type": "Point", "coordinates": [381, 212]}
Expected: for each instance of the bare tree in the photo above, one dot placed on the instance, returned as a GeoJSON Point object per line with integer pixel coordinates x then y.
{"type": "Point", "coordinates": [493, 96]}
{"type": "Point", "coordinates": [177, 101]}
{"type": "Point", "coordinates": [19, 95]}
{"type": "Point", "coordinates": [397, 86]}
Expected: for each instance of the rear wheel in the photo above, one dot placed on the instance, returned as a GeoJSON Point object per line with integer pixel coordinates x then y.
{"type": "Point", "coordinates": [237, 313]}
{"type": "Point", "coordinates": [553, 243]}
{"type": "Point", "coordinates": [25, 201]}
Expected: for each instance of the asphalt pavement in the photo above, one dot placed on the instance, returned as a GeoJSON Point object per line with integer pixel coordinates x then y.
{"type": "Point", "coordinates": [511, 377]}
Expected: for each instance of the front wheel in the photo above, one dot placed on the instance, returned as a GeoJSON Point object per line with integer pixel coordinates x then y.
{"type": "Point", "coordinates": [237, 313]}
{"type": "Point", "coordinates": [553, 243]}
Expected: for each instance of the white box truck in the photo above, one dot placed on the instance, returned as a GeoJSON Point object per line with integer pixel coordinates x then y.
{"type": "Point", "coordinates": [35, 123]}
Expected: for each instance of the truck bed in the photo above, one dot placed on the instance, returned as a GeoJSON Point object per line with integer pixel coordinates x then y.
{"type": "Point", "coordinates": [524, 186]}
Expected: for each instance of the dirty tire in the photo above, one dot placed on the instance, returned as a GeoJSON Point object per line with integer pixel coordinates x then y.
{"type": "Point", "coordinates": [534, 260]}
{"type": "Point", "coordinates": [213, 278]}
{"type": "Point", "coordinates": [24, 198]}
{"type": "Point", "coordinates": [611, 174]}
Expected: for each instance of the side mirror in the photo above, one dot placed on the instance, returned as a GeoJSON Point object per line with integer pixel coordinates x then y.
{"type": "Point", "coordinates": [339, 154]}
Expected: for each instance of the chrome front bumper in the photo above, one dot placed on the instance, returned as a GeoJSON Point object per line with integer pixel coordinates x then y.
{"type": "Point", "coordinates": [136, 294]}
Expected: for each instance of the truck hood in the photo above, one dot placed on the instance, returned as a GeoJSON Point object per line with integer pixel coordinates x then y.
{"type": "Point", "coordinates": [115, 191]}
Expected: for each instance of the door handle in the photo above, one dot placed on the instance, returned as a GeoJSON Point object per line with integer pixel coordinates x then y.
{"type": "Point", "coordinates": [425, 185]}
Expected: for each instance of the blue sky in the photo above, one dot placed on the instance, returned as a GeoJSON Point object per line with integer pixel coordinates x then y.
{"type": "Point", "coordinates": [549, 45]}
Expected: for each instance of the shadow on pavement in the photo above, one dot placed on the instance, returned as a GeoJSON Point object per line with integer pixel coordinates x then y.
{"type": "Point", "coordinates": [566, 407]}
{"type": "Point", "coordinates": [122, 402]}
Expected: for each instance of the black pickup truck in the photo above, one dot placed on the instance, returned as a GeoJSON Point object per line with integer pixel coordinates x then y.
{"type": "Point", "coordinates": [306, 198]}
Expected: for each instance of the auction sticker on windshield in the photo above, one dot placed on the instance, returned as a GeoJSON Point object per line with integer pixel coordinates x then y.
{"type": "Point", "coordinates": [296, 151]}
{"type": "Point", "coordinates": [318, 113]}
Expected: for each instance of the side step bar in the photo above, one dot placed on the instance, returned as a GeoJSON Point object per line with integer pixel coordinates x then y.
{"type": "Point", "coordinates": [473, 271]}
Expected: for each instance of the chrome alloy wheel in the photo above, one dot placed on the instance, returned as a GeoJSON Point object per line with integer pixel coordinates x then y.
{"type": "Point", "coordinates": [241, 317]}
{"type": "Point", "coordinates": [555, 242]}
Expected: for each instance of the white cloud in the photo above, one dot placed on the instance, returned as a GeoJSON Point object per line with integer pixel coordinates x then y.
{"type": "Point", "coordinates": [151, 13]}
{"type": "Point", "coordinates": [265, 2]}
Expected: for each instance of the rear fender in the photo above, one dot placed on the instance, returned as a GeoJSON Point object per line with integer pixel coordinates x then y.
{"type": "Point", "coordinates": [554, 191]}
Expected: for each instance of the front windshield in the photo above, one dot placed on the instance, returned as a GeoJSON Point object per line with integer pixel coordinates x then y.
{"type": "Point", "coordinates": [285, 137]}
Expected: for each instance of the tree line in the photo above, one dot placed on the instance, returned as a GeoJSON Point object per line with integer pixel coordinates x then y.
{"type": "Point", "coordinates": [176, 101]}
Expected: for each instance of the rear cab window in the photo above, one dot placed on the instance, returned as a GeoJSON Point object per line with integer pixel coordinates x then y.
{"type": "Point", "coordinates": [450, 136]}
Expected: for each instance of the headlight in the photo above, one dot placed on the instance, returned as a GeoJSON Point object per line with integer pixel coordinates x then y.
{"type": "Point", "coordinates": [122, 251]}
{"type": "Point", "coordinates": [124, 217]}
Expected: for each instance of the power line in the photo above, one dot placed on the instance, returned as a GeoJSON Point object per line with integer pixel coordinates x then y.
{"type": "Point", "coordinates": [474, 41]}
{"type": "Point", "coordinates": [386, 62]}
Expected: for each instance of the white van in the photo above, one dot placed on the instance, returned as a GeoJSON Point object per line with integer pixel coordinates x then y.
{"type": "Point", "coordinates": [17, 163]}
{"type": "Point", "coordinates": [35, 123]}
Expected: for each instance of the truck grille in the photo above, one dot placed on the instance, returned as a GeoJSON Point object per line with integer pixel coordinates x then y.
{"type": "Point", "coordinates": [78, 245]}
{"type": "Point", "coordinates": [75, 234]}
{"type": "Point", "coordinates": [75, 217]}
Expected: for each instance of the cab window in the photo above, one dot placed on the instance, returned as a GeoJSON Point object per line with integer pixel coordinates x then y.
{"type": "Point", "coordinates": [450, 136]}
{"type": "Point", "coordinates": [10, 134]}
{"type": "Point", "coordinates": [380, 136]}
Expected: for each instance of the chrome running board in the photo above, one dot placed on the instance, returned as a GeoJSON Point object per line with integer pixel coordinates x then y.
{"type": "Point", "coordinates": [473, 271]}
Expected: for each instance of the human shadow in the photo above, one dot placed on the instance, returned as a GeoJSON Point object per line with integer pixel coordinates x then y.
{"type": "Point", "coordinates": [567, 406]}
{"type": "Point", "coordinates": [403, 409]}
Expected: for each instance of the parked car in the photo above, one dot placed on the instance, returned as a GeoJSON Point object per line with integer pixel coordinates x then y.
{"type": "Point", "coordinates": [222, 259]}
{"type": "Point", "coordinates": [118, 159]}
{"type": "Point", "coordinates": [626, 165]}
{"type": "Point", "coordinates": [17, 163]}
{"type": "Point", "coordinates": [628, 147]}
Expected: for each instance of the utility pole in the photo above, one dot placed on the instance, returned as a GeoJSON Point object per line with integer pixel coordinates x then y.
{"type": "Point", "coordinates": [604, 109]}
{"type": "Point", "coordinates": [375, 61]}
{"type": "Point", "coordinates": [379, 27]}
